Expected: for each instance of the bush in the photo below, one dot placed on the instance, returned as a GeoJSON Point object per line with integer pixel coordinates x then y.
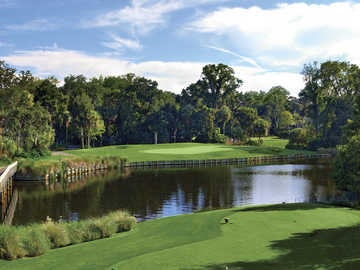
{"type": "Point", "coordinates": [315, 144]}
{"type": "Point", "coordinates": [255, 142]}
{"type": "Point", "coordinates": [8, 147]}
{"type": "Point", "coordinates": [218, 137]}
{"type": "Point", "coordinates": [295, 147]}
{"type": "Point", "coordinates": [76, 232]}
{"type": "Point", "coordinates": [10, 245]}
{"type": "Point", "coordinates": [57, 234]}
{"type": "Point", "coordinates": [106, 227]}
{"type": "Point", "coordinates": [123, 220]}
{"type": "Point", "coordinates": [35, 242]}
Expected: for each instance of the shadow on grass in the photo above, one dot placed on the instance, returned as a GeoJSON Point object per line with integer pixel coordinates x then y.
{"type": "Point", "coordinates": [285, 207]}
{"type": "Point", "coordinates": [330, 249]}
{"type": "Point", "coordinates": [122, 147]}
{"type": "Point", "coordinates": [267, 150]}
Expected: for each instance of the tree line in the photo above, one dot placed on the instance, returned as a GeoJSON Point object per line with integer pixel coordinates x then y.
{"type": "Point", "coordinates": [38, 113]}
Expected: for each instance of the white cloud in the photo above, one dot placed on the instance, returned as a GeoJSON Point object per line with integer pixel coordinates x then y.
{"type": "Point", "coordinates": [145, 15]}
{"type": "Point", "coordinates": [119, 43]}
{"type": "Point", "coordinates": [142, 15]}
{"type": "Point", "coordinates": [171, 76]}
{"type": "Point", "coordinates": [289, 34]}
{"type": "Point", "coordinates": [243, 58]}
{"type": "Point", "coordinates": [34, 25]}
{"type": "Point", "coordinates": [5, 44]}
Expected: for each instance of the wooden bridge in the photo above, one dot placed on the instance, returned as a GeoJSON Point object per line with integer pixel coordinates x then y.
{"type": "Point", "coordinates": [8, 196]}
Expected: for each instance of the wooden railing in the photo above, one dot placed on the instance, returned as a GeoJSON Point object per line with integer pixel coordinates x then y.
{"type": "Point", "coordinates": [230, 161]}
{"type": "Point", "coordinates": [6, 187]}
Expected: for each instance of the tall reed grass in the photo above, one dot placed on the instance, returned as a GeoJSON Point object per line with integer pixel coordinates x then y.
{"type": "Point", "coordinates": [37, 239]}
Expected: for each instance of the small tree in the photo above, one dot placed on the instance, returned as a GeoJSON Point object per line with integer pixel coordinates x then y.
{"type": "Point", "coordinates": [298, 136]}
{"type": "Point", "coordinates": [261, 128]}
{"type": "Point", "coordinates": [347, 166]}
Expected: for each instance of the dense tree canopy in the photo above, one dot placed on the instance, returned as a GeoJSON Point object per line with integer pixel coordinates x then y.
{"type": "Point", "coordinates": [36, 113]}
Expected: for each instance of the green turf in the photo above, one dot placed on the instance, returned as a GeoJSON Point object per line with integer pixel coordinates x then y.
{"type": "Point", "coordinates": [188, 151]}
{"type": "Point", "coordinates": [296, 236]}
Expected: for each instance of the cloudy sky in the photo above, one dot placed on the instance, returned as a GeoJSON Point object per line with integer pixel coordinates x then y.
{"type": "Point", "coordinates": [266, 42]}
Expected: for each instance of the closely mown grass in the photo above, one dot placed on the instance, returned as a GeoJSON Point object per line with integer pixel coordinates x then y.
{"type": "Point", "coordinates": [189, 151]}
{"type": "Point", "coordinates": [116, 155]}
{"type": "Point", "coordinates": [35, 240]}
{"type": "Point", "coordinates": [282, 237]}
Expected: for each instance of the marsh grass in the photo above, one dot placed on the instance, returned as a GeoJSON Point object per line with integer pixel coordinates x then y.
{"type": "Point", "coordinates": [37, 239]}
{"type": "Point", "coordinates": [57, 234]}
{"type": "Point", "coordinates": [11, 246]}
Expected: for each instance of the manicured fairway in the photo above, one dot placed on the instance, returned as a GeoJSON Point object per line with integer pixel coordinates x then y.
{"type": "Point", "coordinates": [296, 236]}
{"type": "Point", "coordinates": [187, 151]}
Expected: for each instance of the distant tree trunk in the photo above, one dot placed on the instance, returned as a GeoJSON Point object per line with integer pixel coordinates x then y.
{"type": "Point", "coordinates": [82, 138]}
{"type": "Point", "coordinates": [155, 137]}
{"type": "Point", "coordinates": [174, 136]}
{"type": "Point", "coordinates": [88, 141]}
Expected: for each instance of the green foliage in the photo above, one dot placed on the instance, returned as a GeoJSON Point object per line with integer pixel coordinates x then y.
{"type": "Point", "coordinates": [261, 128]}
{"type": "Point", "coordinates": [11, 246]}
{"type": "Point", "coordinates": [257, 142]}
{"type": "Point", "coordinates": [35, 242]}
{"type": "Point", "coordinates": [37, 239]}
{"type": "Point", "coordinates": [57, 234]}
{"type": "Point", "coordinates": [218, 137]}
{"type": "Point", "coordinates": [298, 136]}
{"type": "Point", "coordinates": [7, 147]}
{"type": "Point", "coordinates": [347, 165]}
{"type": "Point", "coordinates": [76, 232]}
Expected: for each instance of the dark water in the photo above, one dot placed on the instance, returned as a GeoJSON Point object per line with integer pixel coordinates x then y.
{"type": "Point", "coordinates": [166, 192]}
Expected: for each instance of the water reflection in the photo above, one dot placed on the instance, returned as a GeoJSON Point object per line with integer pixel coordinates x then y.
{"type": "Point", "coordinates": [165, 192]}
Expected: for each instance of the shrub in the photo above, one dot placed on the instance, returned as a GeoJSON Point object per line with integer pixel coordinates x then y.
{"type": "Point", "coordinates": [57, 234]}
{"type": "Point", "coordinates": [315, 144]}
{"type": "Point", "coordinates": [106, 227]}
{"type": "Point", "coordinates": [76, 232]}
{"type": "Point", "coordinates": [35, 242]}
{"type": "Point", "coordinates": [255, 142]}
{"type": "Point", "coordinates": [10, 245]}
{"type": "Point", "coordinates": [123, 220]}
{"type": "Point", "coordinates": [298, 136]}
{"type": "Point", "coordinates": [295, 147]}
{"type": "Point", "coordinates": [8, 147]}
{"type": "Point", "coordinates": [91, 231]}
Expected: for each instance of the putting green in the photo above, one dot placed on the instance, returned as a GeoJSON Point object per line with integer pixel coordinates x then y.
{"type": "Point", "coordinates": [193, 150]}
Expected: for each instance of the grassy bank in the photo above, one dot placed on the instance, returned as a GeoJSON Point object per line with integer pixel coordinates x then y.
{"type": "Point", "coordinates": [113, 155]}
{"type": "Point", "coordinates": [291, 236]}
{"type": "Point", "coordinates": [189, 151]}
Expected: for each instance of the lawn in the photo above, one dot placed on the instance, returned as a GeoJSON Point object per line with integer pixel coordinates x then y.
{"type": "Point", "coordinates": [282, 237]}
{"type": "Point", "coordinates": [188, 151]}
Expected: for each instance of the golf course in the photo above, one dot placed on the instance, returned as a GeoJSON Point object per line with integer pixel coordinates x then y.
{"type": "Point", "coordinates": [285, 236]}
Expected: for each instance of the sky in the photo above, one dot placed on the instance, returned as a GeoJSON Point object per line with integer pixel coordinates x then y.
{"type": "Point", "coordinates": [267, 42]}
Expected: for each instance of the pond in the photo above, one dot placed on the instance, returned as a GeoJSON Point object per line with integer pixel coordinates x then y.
{"type": "Point", "coordinates": [155, 193]}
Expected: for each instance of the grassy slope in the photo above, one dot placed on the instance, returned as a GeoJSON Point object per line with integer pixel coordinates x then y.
{"type": "Point", "coordinates": [188, 151]}
{"type": "Point", "coordinates": [284, 237]}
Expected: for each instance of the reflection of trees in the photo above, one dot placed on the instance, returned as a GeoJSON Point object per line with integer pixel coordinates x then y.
{"type": "Point", "coordinates": [243, 184]}
{"type": "Point", "coordinates": [143, 193]}
{"type": "Point", "coordinates": [36, 201]}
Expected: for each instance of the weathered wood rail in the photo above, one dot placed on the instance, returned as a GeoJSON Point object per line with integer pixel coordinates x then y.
{"type": "Point", "coordinates": [215, 162]}
{"type": "Point", "coordinates": [6, 188]}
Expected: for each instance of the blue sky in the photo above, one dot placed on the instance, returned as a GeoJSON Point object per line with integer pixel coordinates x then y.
{"type": "Point", "coordinates": [266, 42]}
